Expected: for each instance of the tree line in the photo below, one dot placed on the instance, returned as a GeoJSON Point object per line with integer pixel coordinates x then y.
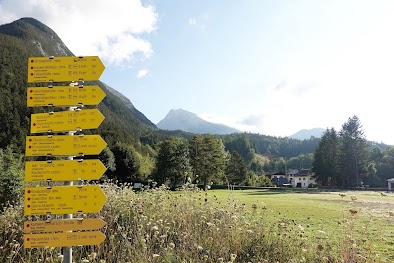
{"type": "Point", "coordinates": [201, 160]}
{"type": "Point", "coordinates": [343, 158]}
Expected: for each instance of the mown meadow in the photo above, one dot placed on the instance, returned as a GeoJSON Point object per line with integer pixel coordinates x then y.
{"type": "Point", "coordinates": [267, 225]}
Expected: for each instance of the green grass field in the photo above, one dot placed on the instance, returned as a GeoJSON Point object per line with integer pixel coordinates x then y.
{"type": "Point", "coordinates": [327, 214]}
{"type": "Point", "coordinates": [275, 225]}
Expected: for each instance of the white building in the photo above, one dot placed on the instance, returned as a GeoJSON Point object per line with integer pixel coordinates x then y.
{"type": "Point", "coordinates": [301, 178]}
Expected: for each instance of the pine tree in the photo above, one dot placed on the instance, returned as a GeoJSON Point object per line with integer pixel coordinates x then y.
{"type": "Point", "coordinates": [354, 153]}
{"type": "Point", "coordinates": [326, 158]}
{"type": "Point", "coordinates": [172, 162]}
{"type": "Point", "coordinates": [236, 169]}
{"type": "Point", "coordinates": [126, 163]}
{"type": "Point", "coordinates": [208, 158]}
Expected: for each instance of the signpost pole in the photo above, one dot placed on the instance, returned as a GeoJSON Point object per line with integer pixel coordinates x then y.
{"type": "Point", "coordinates": [68, 251]}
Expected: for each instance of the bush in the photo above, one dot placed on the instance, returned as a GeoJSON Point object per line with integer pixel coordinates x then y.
{"type": "Point", "coordinates": [11, 176]}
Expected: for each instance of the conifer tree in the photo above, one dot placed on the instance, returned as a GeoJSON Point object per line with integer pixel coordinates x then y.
{"type": "Point", "coordinates": [354, 153]}
{"type": "Point", "coordinates": [172, 162]}
{"type": "Point", "coordinates": [326, 158]}
{"type": "Point", "coordinates": [208, 158]}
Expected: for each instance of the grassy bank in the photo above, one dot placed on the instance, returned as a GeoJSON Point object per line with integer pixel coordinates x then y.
{"type": "Point", "coordinates": [226, 226]}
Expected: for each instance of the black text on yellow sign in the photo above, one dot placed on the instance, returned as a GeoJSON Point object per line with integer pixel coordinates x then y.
{"type": "Point", "coordinates": [63, 170]}
{"type": "Point", "coordinates": [66, 121]}
{"type": "Point", "coordinates": [64, 96]}
{"type": "Point", "coordinates": [60, 69]}
{"type": "Point", "coordinates": [84, 238]}
{"type": "Point", "coordinates": [63, 200]}
{"type": "Point", "coordinates": [58, 145]}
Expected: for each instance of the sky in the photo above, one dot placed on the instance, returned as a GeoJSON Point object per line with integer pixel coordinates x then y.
{"type": "Point", "coordinates": [269, 67]}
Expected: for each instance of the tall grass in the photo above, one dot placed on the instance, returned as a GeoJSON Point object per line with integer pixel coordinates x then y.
{"type": "Point", "coordinates": [157, 225]}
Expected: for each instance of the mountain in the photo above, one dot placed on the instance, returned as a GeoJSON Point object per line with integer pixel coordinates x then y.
{"type": "Point", "coordinates": [36, 37]}
{"type": "Point", "coordinates": [187, 121]}
{"type": "Point", "coordinates": [308, 133]}
{"type": "Point", "coordinates": [27, 37]}
{"type": "Point", "coordinates": [139, 115]}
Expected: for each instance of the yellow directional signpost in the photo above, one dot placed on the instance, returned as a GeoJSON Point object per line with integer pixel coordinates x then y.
{"type": "Point", "coordinates": [58, 69]}
{"type": "Point", "coordinates": [58, 145]}
{"type": "Point", "coordinates": [63, 239]}
{"type": "Point", "coordinates": [59, 225]}
{"type": "Point", "coordinates": [63, 200]}
{"type": "Point", "coordinates": [68, 199]}
{"type": "Point", "coordinates": [66, 121]}
{"type": "Point", "coordinates": [64, 96]}
{"type": "Point", "coordinates": [63, 170]}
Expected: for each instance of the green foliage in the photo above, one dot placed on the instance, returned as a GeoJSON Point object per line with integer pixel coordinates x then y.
{"type": "Point", "coordinates": [236, 169]}
{"type": "Point", "coordinates": [13, 112]}
{"type": "Point", "coordinates": [354, 154]}
{"type": "Point", "coordinates": [343, 159]}
{"type": "Point", "coordinates": [107, 157]}
{"type": "Point", "coordinates": [208, 158]}
{"type": "Point", "coordinates": [280, 147]}
{"type": "Point", "coordinates": [127, 163]}
{"type": "Point", "coordinates": [11, 176]}
{"type": "Point", "coordinates": [239, 143]}
{"type": "Point", "coordinates": [275, 164]}
{"type": "Point", "coordinates": [172, 162]}
{"type": "Point", "coordinates": [147, 165]}
{"type": "Point", "coordinates": [326, 159]}
{"type": "Point", "coordinates": [303, 160]}
{"type": "Point", "coordinates": [383, 162]}
{"type": "Point", "coordinates": [253, 179]}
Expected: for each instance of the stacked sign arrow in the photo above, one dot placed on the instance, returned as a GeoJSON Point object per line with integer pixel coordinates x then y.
{"type": "Point", "coordinates": [64, 199]}
{"type": "Point", "coordinates": [64, 170]}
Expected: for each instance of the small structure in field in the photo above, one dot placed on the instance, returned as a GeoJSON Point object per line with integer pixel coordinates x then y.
{"type": "Point", "coordinates": [390, 183]}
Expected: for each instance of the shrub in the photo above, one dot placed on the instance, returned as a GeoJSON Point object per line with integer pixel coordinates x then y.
{"type": "Point", "coordinates": [11, 176]}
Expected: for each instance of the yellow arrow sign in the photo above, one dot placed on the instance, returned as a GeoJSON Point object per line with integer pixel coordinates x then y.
{"type": "Point", "coordinates": [64, 96]}
{"type": "Point", "coordinates": [66, 121]}
{"type": "Point", "coordinates": [58, 225]}
{"type": "Point", "coordinates": [63, 200]}
{"type": "Point", "coordinates": [59, 69]}
{"type": "Point", "coordinates": [64, 170]}
{"type": "Point", "coordinates": [63, 239]}
{"type": "Point", "coordinates": [63, 145]}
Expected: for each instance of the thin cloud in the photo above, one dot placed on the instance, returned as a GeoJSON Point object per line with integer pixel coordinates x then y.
{"type": "Point", "coordinates": [142, 73]}
{"type": "Point", "coordinates": [113, 30]}
{"type": "Point", "coordinates": [296, 87]}
{"type": "Point", "coordinates": [192, 21]}
{"type": "Point", "coordinates": [282, 85]}
{"type": "Point", "coordinates": [199, 22]}
{"type": "Point", "coordinates": [253, 120]}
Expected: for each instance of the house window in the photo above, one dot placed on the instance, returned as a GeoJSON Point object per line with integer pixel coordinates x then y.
{"type": "Point", "coordinates": [299, 179]}
{"type": "Point", "coordinates": [304, 178]}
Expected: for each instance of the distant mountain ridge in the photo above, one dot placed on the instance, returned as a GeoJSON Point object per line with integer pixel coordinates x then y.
{"type": "Point", "coordinates": [189, 122]}
{"type": "Point", "coordinates": [305, 134]}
